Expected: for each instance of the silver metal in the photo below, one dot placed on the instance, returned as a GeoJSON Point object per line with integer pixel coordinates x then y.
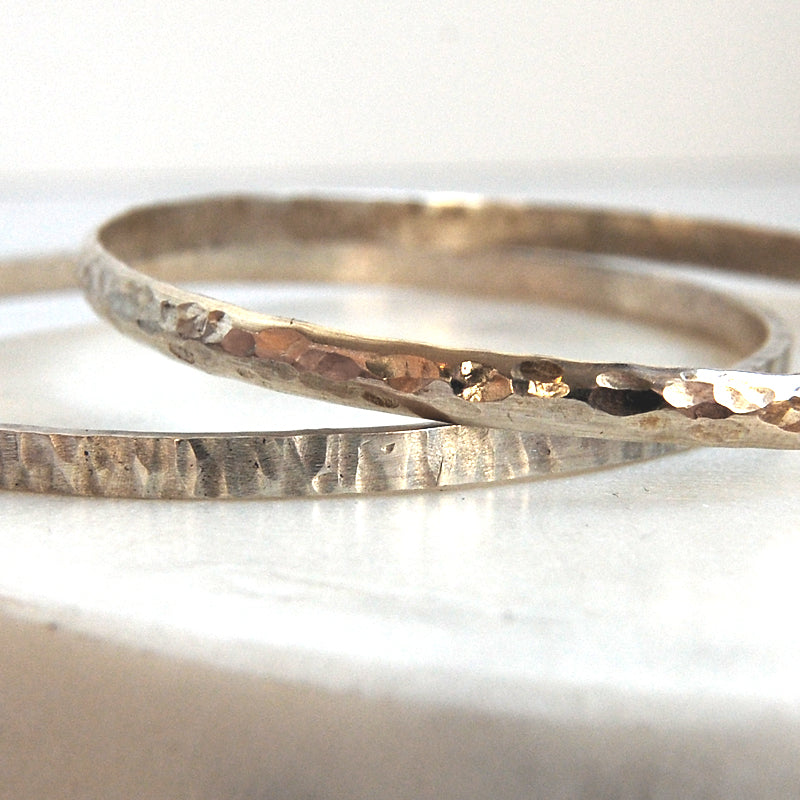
{"type": "Point", "coordinates": [425, 244]}
{"type": "Point", "coordinates": [274, 464]}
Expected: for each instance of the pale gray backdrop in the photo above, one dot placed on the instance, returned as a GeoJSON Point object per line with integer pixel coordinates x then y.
{"type": "Point", "coordinates": [212, 84]}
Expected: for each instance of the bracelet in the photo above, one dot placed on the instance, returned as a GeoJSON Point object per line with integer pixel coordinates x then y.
{"type": "Point", "coordinates": [278, 239]}
{"type": "Point", "coordinates": [274, 464]}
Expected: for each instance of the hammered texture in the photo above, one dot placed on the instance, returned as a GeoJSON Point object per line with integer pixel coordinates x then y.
{"type": "Point", "coordinates": [275, 464]}
{"type": "Point", "coordinates": [744, 406]}
{"type": "Point", "coordinates": [292, 464]}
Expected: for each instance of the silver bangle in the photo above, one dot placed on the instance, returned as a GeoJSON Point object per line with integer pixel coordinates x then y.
{"type": "Point", "coordinates": [241, 237]}
{"type": "Point", "coordinates": [274, 464]}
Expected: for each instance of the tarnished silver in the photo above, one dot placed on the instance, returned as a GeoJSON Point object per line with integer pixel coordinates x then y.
{"type": "Point", "coordinates": [275, 464]}
{"type": "Point", "coordinates": [280, 238]}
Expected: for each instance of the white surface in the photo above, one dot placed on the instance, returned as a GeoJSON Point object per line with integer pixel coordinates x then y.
{"type": "Point", "coordinates": [88, 85]}
{"type": "Point", "coordinates": [627, 633]}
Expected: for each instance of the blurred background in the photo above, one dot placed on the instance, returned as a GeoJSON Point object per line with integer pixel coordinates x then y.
{"type": "Point", "coordinates": [97, 87]}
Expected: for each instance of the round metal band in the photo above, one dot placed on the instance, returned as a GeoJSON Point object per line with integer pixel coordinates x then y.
{"type": "Point", "coordinates": [279, 238]}
{"type": "Point", "coordinates": [274, 464]}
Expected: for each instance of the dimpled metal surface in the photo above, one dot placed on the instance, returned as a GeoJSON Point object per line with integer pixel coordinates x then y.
{"type": "Point", "coordinates": [475, 247]}
{"type": "Point", "coordinates": [274, 464]}
{"type": "Point", "coordinates": [294, 463]}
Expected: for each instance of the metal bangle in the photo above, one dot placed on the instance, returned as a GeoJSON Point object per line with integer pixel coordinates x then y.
{"type": "Point", "coordinates": [274, 464]}
{"type": "Point", "coordinates": [293, 238]}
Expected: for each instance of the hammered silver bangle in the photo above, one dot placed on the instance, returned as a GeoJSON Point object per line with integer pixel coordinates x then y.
{"type": "Point", "coordinates": [275, 464]}
{"type": "Point", "coordinates": [126, 267]}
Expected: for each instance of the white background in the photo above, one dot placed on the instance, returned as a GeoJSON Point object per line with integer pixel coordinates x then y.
{"type": "Point", "coordinates": [91, 85]}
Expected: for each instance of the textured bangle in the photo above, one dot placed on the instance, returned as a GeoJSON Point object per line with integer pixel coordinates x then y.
{"type": "Point", "coordinates": [274, 464]}
{"type": "Point", "coordinates": [240, 237]}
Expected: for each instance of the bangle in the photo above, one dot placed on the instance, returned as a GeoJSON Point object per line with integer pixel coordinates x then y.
{"type": "Point", "coordinates": [245, 237]}
{"type": "Point", "coordinates": [274, 464]}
